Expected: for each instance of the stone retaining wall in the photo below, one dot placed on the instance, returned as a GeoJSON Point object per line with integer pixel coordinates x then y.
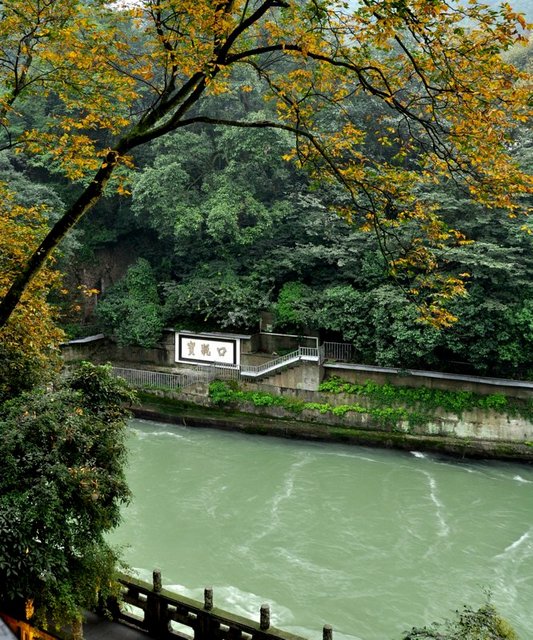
{"type": "Point", "coordinates": [476, 424]}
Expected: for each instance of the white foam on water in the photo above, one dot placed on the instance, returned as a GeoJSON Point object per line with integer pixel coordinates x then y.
{"type": "Point", "coordinates": [144, 429]}
{"type": "Point", "coordinates": [145, 435]}
{"type": "Point", "coordinates": [239, 602]}
{"type": "Point", "coordinates": [518, 542]}
{"type": "Point", "coordinates": [284, 493]}
{"type": "Point", "coordinates": [511, 585]}
{"type": "Point", "coordinates": [444, 529]}
{"type": "Point", "coordinates": [140, 573]}
{"type": "Point", "coordinates": [249, 605]}
{"type": "Point", "coordinates": [323, 573]}
{"type": "Point", "coordinates": [195, 594]}
{"type": "Point", "coordinates": [354, 456]}
{"type": "Point", "coordinates": [514, 545]}
{"type": "Point", "coordinates": [520, 479]}
{"type": "Point", "coordinates": [339, 454]}
{"type": "Point", "coordinates": [171, 434]}
{"type": "Point", "coordinates": [418, 454]}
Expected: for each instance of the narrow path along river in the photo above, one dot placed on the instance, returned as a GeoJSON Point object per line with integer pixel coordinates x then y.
{"type": "Point", "coordinates": [370, 541]}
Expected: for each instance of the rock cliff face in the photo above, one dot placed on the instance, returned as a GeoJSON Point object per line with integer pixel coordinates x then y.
{"type": "Point", "coordinates": [104, 268]}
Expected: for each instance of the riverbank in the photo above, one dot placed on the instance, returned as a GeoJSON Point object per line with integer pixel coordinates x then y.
{"type": "Point", "coordinates": [326, 533]}
{"type": "Point", "coordinates": [155, 406]}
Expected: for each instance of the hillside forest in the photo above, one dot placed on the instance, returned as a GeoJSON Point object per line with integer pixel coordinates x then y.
{"type": "Point", "coordinates": [361, 171]}
{"type": "Point", "coordinates": [220, 227]}
{"type": "Point", "coordinates": [216, 224]}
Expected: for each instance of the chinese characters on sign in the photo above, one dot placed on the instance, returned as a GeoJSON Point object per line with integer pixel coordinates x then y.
{"type": "Point", "coordinates": [203, 349]}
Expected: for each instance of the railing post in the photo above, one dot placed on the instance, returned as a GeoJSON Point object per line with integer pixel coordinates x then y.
{"type": "Point", "coordinates": [206, 627]}
{"type": "Point", "coordinates": [156, 619]}
{"type": "Point", "coordinates": [264, 617]}
{"type": "Point", "coordinates": [208, 598]}
{"type": "Point", "coordinates": [162, 607]}
{"type": "Point", "coordinates": [156, 580]}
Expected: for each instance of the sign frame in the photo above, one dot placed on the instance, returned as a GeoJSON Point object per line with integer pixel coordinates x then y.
{"type": "Point", "coordinates": [186, 351]}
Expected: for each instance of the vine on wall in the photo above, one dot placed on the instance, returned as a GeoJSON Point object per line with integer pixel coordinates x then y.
{"type": "Point", "coordinates": [386, 404]}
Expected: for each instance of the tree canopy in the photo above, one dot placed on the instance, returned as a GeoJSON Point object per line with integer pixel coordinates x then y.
{"type": "Point", "coordinates": [298, 259]}
{"type": "Point", "coordinates": [114, 77]}
{"type": "Point", "coordinates": [29, 343]}
{"type": "Point", "coordinates": [61, 488]}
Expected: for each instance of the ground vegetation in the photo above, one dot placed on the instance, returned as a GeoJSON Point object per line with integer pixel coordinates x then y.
{"type": "Point", "coordinates": [469, 624]}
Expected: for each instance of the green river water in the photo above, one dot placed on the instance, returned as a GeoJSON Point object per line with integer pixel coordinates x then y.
{"type": "Point", "coordinates": [370, 541]}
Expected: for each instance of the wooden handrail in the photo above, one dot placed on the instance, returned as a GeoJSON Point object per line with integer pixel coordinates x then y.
{"type": "Point", "coordinates": [23, 630]}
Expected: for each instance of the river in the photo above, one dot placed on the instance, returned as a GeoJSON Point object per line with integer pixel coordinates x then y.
{"type": "Point", "coordinates": [370, 541]}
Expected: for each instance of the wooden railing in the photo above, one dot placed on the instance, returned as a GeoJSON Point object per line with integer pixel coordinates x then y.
{"type": "Point", "coordinates": [165, 615]}
{"type": "Point", "coordinates": [21, 630]}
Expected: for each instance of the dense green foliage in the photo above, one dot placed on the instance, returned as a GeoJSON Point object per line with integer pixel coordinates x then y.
{"type": "Point", "coordinates": [225, 228]}
{"type": "Point", "coordinates": [132, 308]}
{"type": "Point", "coordinates": [236, 230]}
{"type": "Point", "coordinates": [61, 488]}
{"type": "Point", "coordinates": [17, 373]}
{"type": "Point", "coordinates": [387, 405]}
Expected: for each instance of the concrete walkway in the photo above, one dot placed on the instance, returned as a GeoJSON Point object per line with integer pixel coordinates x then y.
{"type": "Point", "coordinates": [97, 628]}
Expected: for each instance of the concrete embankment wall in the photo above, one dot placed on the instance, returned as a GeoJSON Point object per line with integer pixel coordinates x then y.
{"type": "Point", "coordinates": [484, 428]}
{"type": "Point", "coordinates": [479, 424]}
{"type": "Point", "coordinates": [479, 433]}
{"type": "Point", "coordinates": [283, 426]}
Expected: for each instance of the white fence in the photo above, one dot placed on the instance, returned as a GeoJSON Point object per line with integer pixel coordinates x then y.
{"type": "Point", "coordinates": [339, 351]}
{"type": "Point", "coordinates": [144, 378]}
{"type": "Point", "coordinates": [309, 354]}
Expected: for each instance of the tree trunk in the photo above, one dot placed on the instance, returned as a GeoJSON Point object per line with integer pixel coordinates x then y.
{"type": "Point", "coordinates": [90, 196]}
{"type": "Point", "coordinates": [77, 629]}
